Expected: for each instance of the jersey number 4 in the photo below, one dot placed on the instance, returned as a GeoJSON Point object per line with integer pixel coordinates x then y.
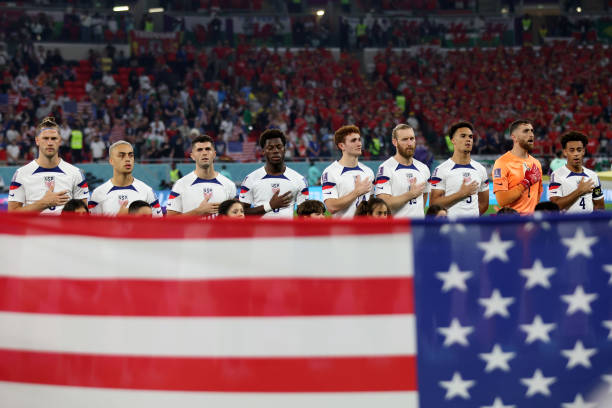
{"type": "Point", "coordinates": [582, 203]}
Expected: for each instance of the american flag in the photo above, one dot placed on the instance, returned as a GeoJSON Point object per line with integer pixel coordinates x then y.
{"type": "Point", "coordinates": [135, 312]}
{"type": "Point", "coordinates": [514, 312]}
{"type": "Point", "coordinates": [242, 151]}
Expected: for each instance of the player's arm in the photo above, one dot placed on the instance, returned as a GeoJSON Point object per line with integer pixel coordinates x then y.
{"type": "Point", "coordinates": [507, 197]}
{"type": "Point", "coordinates": [532, 176]}
{"type": "Point", "coordinates": [204, 208]}
{"type": "Point", "coordinates": [483, 192]}
{"type": "Point", "coordinates": [50, 199]}
{"type": "Point", "coordinates": [277, 201]}
{"type": "Point", "coordinates": [598, 196]}
{"type": "Point", "coordinates": [338, 204]}
{"type": "Point", "coordinates": [398, 201]}
{"type": "Point", "coordinates": [483, 202]}
{"type": "Point", "coordinates": [584, 187]}
{"type": "Point", "coordinates": [438, 196]}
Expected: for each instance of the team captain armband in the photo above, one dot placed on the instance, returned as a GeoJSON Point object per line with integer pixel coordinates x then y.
{"type": "Point", "coordinates": [597, 193]}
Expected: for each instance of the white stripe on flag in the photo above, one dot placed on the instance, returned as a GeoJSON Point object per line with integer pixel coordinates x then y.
{"type": "Point", "coordinates": [214, 337]}
{"type": "Point", "coordinates": [15, 395]}
{"type": "Point", "coordinates": [88, 258]}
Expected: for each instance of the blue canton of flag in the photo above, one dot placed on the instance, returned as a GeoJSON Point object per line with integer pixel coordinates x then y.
{"type": "Point", "coordinates": [514, 313]}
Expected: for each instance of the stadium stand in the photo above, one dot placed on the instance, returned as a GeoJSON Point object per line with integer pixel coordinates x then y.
{"type": "Point", "coordinates": [233, 88]}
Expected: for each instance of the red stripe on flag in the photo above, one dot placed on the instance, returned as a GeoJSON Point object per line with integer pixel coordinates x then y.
{"type": "Point", "coordinates": [129, 227]}
{"type": "Point", "coordinates": [222, 297]}
{"type": "Point", "coordinates": [318, 374]}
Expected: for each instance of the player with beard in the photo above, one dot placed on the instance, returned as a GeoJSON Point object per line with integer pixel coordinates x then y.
{"type": "Point", "coordinates": [401, 180]}
{"type": "Point", "coordinates": [517, 176]}
{"type": "Point", "coordinates": [200, 192]}
{"type": "Point", "coordinates": [460, 184]}
{"type": "Point", "coordinates": [274, 189]}
{"type": "Point", "coordinates": [573, 187]}
{"type": "Point", "coordinates": [46, 184]}
{"type": "Point", "coordinates": [114, 196]}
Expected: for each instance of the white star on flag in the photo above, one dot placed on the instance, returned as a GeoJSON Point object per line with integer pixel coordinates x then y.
{"type": "Point", "coordinates": [495, 248]}
{"type": "Point", "coordinates": [498, 403]}
{"type": "Point", "coordinates": [538, 330]}
{"type": "Point", "coordinates": [538, 384]}
{"type": "Point", "coordinates": [497, 358]}
{"type": "Point", "coordinates": [579, 356]}
{"type": "Point", "coordinates": [608, 268]}
{"type": "Point", "coordinates": [579, 244]}
{"type": "Point", "coordinates": [608, 379]}
{"type": "Point", "coordinates": [579, 301]}
{"type": "Point", "coordinates": [457, 387]}
{"type": "Point", "coordinates": [446, 228]}
{"type": "Point", "coordinates": [496, 304]}
{"type": "Point", "coordinates": [537, 275]}
{"type": "Point", "coordinates": [608, 325]}
{"type": "Point", "coordinates": [578, 402]}
{"type": "Point", "coordinates": [454, 278]}
{"type": "Point", "coordinates": [455, 333]}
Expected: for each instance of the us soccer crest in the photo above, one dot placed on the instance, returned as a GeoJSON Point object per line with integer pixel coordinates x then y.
{"type": "Point", "coordinates": [467, 177]}
{"type": "Point", "coordinates": [50, 182]}
{"type": "Point", "coordinates": [207, 191]}
{"type": "Point", "coordinates": [123, 199]}
{"type": "Point", "coordinates": [275, 188]}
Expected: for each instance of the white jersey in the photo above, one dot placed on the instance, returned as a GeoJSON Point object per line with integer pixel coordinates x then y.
{"type": "Point", "coordinates": [188, 192]}
{"type": "Point", "coordinates": [107, 199]}
{"type": "Point", "coordinates": [395, 179]}
{"type": "Point", "coordinates": [563, 182]}
{"type": "Point", "coordinates": [258, 188]}
{"type": "Point", "coordinates": [31, 182]}
{"type": "Point", "coordinates": [449, 176]}
{"type": "Point", "coordinates": [338, 181]}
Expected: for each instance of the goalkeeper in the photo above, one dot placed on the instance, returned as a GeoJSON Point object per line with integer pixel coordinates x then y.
{"type": "Point", "coordinates": [517, 176]}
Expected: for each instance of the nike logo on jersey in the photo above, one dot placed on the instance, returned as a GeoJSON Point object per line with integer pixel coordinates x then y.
{"type": "Point", "coordinates": [499, 184]}
{"type": "Point", "coordinates": [11, 195]}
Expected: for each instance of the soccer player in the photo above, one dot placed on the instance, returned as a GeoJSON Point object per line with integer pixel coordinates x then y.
{"type": "Point", "coordinates": [460, 184]}
{"type": "Point", "coordinates": [517, 176]}
{"type": "Point", "coordinates": [114, 196]}
{"type": "Point", "coordinates": [573, 187]}
{"type": "Point", "coordinates": [46, 184]}
{"type": "Point", "coordinates": [402, 180]}
{"type": "Point", "coordinates": [200, 192]}
{"type": "Point", "coordinates": [346, 182]}
{"type": "Point", "coordinates": [274, 189]}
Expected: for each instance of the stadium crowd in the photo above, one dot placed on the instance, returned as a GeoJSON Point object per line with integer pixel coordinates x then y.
{"type": "Point", "coordinates": [159, 102]}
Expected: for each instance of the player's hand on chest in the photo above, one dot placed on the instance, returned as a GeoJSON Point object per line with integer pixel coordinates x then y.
{"type": "Point", "coordinates": [459, 177]}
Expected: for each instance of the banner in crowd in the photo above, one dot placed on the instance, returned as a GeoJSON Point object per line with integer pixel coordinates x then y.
{"type": "Point", "coordinates": [104, 312]}
{"type": "Point", "coordinates": [242, 24]}
{"type": "Point", "coordinates": [145, 42]}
